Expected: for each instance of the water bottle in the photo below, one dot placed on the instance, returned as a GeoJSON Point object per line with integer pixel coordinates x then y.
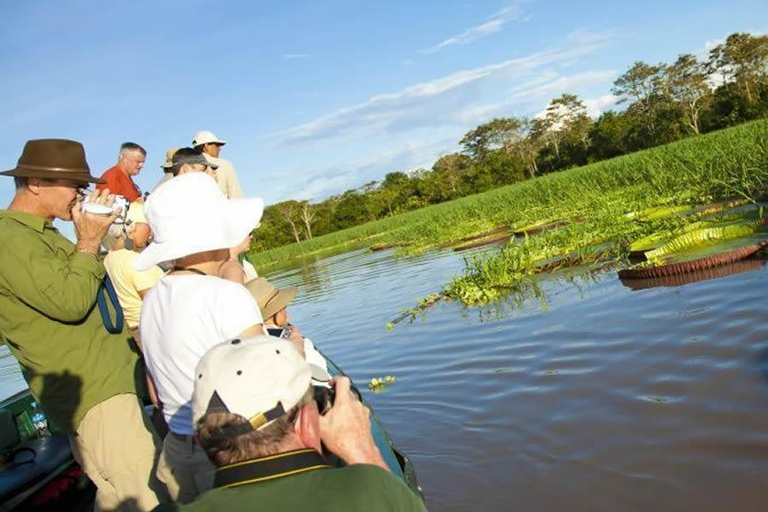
{"type": "Point", "coordinates": [40, 421]}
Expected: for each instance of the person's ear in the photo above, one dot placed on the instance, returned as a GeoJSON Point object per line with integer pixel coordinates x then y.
{"type": "Point", "coordinates": [34, 185]}
{"type": "Point", "coordinates": [307, 427]}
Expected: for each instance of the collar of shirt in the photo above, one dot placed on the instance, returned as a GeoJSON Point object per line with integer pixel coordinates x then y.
{"type": "Point", "coordinates": [33, 221]}
{"type": "Point", "coordinates": [269, 468]}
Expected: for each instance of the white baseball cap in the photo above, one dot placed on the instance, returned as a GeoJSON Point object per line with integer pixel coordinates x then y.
{"type": "Point", "coordinates": [206, 137]}
{"type": "Point", "coordinates": [259, 378]}
{"type": "Point", "coordinates": [190, 214]}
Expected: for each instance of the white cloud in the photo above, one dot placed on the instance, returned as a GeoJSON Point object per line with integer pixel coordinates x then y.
{"type": "Point", "coordinates": [432, 103]}
{"type": "Point", "coordinates": [531, 93]}
{"type": "Point", "coordinates": [295, 56]}
{"type": "Point", "coordinates": [494, 24]}
{"type": "Point", "coordinates": [321, 183]}
{"type": "Point", "coordinates": [598, 105]}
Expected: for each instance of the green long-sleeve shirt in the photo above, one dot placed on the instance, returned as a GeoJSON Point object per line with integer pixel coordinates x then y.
{"type": "Point", "coordinates": [50, 322]}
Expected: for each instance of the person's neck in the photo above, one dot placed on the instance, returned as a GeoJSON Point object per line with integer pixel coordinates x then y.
{"type": "Point", "coordinates": [207, 262]}
{"type": "Point", "coordinates": [123, 169]}
{"type": "Point", "coordinates": [26, 203]}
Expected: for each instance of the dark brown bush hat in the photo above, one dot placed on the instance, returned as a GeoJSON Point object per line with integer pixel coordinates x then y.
{"type": "Point", "coordinates": [58, 159]}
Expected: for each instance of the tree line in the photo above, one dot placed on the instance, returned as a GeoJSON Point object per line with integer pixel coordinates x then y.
{"type": "Point", "coordinates": [658, 104]}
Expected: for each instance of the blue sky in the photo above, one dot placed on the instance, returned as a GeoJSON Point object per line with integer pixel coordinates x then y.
{"type": "Point", "coordinates": [317, 97]}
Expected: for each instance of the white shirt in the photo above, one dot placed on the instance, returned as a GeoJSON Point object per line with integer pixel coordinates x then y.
{"type": "Point", "coordinates": [226, 177]}
{"type": "Point", "coordinates": [182, 317]}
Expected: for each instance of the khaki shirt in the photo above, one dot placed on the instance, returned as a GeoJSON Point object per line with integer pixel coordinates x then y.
{"type": "Point", "coordinates": [226, 177]}
{"type": "Point", "coordinates": [50, 323]}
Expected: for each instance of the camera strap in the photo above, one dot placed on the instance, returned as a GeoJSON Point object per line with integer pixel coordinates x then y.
{"type": "Point", "coordinates": [269, 468]}
{"type": "Point", "coordinates": [115, 327]}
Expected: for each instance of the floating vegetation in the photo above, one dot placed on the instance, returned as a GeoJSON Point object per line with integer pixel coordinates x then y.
{"type": "Point", "coordinates": [702, 248]}
{"type": "Point", "coordinates": [379, 384]}
{"type": "Point", "coordinates": [737, 267]}
{"type": "Point", "coordinates": [388, 245]}
{"type": "Point", "coordinates": [412, 313]}
{"type": "Point", "coordinates": [539, 227]}
{"type": "Point", "coordinates": [485, 241]}
{"type": "Point", "coordinates": [669, 189]}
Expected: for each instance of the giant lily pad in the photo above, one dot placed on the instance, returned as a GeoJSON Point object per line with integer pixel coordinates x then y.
{"type": "Point", "coordinates": [703, 248]}
{"type": "Point", "coordinates": [641, 248]}
{"type": "Point", "coordinates": [665, 212]}
{"type": "Point", "coordinates": [737, 267]}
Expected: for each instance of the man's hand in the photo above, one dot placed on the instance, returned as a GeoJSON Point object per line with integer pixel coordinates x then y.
{"type": "Point", "coordinates": [346, 428]}
{"type": "Point", "coordinates": [89, 228]}
{"type": "Point", "coordinates": [297, 339]}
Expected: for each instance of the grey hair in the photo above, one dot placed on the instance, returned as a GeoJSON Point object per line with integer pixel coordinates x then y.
{"type": "Point", "coordinates": [130, 147]}
{"type": "Point", "coordinates": [269, 440]}
{"type": "Point", "coordinates": [115, 233]}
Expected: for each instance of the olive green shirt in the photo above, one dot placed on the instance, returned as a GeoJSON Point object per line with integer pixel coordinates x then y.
{"type": "Point", "coordinates": [357, 488]}
{"type": "Point", "coordinates": [50, 322]}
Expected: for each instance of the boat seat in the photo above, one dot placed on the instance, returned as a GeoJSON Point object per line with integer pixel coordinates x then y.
{"type": "Point", "coordinates": [50, 453]}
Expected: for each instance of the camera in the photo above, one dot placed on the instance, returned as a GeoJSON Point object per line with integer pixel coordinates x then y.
{"type": "Point", "coordinates": [102, 209]}
{"type": "Point", "coordinates": [280, 332]}
{"type": "Point", "coordinates": [323, 398]}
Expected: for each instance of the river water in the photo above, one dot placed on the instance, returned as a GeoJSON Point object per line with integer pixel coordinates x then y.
{"type": "Point", "coordinates": [593, 397]}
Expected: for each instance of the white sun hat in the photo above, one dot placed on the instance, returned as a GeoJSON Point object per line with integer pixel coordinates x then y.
{"type": "Point", "coordinates": [189, 214]}
{"type": "Point", "coordinates": [206, 137]}
{"type": "Point", "coordinates": [259, 378]}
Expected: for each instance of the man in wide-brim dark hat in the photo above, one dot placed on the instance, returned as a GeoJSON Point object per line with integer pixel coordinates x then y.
{"type": "Point", "coordinates": [82, 375]}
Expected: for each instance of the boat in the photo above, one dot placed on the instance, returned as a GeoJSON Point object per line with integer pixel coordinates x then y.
{"type": "Point", "coordinates": [40, 473]}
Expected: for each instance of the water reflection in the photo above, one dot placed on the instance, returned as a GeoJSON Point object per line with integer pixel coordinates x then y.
{"type": "Point", "coordinates": [578, 395]}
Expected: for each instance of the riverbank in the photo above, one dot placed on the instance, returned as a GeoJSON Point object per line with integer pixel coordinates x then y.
{"type": "Point", "coordinates": [592, 201]}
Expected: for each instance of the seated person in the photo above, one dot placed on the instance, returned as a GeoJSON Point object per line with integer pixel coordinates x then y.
{"type": "Point", "coordinates": [167, 167]}
{"type": "Point", "coordinates": [273, 304]}
{"type": "Point", "coordinates": [256, 418]}
{"type": "Point", "coordinates": [124, 242]}
{"type": "Point", "coordinates": [191, 309]}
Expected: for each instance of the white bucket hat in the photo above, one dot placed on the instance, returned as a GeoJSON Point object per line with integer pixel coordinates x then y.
{"type": "Point", "coordinates": [206, 137]}
{"type": "Point", "coordinates": [189, 214]}
{"type": "Point", "coordinates": [259, 378]}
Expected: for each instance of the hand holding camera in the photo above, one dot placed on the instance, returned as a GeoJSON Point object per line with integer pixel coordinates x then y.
{"type": "Point", "coordinates": [90, 228]}
{"type": "Point", "coordinates": [345, 428]}
{"type": "Point", "coordinates": [119, 207]}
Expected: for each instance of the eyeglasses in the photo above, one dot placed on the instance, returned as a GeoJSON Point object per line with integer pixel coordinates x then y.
{"type": "Point", "coordinates": [79, 186]}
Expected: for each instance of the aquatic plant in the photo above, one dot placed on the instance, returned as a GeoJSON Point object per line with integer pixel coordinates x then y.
{"type": "Point", "coordinates": [716, 166]}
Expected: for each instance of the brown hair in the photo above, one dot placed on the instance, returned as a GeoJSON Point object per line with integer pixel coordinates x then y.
{"type": "Point", "coordinates": [225, 449]}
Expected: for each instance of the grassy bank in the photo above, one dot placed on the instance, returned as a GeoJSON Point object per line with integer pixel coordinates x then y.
{"type": "Point", "coordinates": [728, 163]}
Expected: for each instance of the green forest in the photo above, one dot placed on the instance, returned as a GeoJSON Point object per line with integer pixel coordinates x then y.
{"type": "Point", "coordinates": [658, 104]}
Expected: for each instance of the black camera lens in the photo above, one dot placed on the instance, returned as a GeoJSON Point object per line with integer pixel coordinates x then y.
{"type": "Point", "coordinates": [323, 398]}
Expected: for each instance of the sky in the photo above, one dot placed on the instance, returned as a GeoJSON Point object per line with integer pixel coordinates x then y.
{"type": "Point", "coordinates": [317, 97]}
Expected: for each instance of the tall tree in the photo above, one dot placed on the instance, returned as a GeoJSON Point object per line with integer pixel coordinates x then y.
{"type": "Point", "coordinates": [307, 215]}
{"type": "Point", "coordinates": [640, 87]}
{"type": "Point", "coordinates": [450, 169]}
{"type": "Point", "coordinates": [565, 120]}
{"type": "Point", "coordinates": [743, 59]}
{"type": "Point", "coordinates": [288, 210]}
{"type": "Point", "coordinates": [499, 133]}
{"type": "Point", "coordinates": [687, 82]}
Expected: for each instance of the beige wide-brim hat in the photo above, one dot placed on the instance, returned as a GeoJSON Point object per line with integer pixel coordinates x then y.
{"type": "Point", "coordinates": [206, 137]}
{"type": "Point", "coordinates": [189, 214]}
{"type": "Point", "coordinates": [270, 299]}
{"type": "Point", "coordinates": [169, 159]}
